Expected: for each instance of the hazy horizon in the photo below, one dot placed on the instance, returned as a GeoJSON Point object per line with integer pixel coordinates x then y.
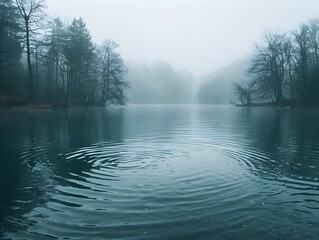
{"type": "Point", "coordinates": [198, 36]}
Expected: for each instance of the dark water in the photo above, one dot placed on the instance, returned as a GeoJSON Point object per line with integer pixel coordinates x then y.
{"type": "Point", "coordinates": [160, 172]}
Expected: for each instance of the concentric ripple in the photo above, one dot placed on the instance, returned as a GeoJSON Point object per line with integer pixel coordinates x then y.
{"type": "Point", "coordinates": [163, 173]}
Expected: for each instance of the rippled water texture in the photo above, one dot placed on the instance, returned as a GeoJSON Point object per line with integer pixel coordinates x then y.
{"type": "Point", "coordinates": [160, 172]}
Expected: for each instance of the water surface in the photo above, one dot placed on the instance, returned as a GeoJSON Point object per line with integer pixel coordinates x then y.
{"type": "Point", "coordinates": [159, 172]}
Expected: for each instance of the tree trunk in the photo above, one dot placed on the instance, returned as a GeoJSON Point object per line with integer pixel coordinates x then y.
{"type": "Point", "coordinates": [29, 61]}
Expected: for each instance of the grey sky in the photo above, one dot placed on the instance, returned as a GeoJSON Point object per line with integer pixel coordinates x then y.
{"type": "Point", "coordinates": [196, 35]}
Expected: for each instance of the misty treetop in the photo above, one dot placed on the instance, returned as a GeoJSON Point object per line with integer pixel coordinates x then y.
{"type": "Point", "coordinates": [284, 68]}
{"type": "Point", "coordinates": [63, 64]}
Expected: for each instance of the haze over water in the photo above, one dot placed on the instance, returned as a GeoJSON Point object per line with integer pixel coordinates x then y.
{"type": "Point", "coordinates": [159, 172]}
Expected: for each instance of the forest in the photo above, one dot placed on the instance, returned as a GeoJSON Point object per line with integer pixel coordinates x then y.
{"type": "Point", "coordinates": [46, 60]}
{"type": "Point", "coordinates": [284, 69]}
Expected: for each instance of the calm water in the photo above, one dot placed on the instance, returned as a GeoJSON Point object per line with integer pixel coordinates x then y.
{"type": "Point", "coordinates": [160, 172]}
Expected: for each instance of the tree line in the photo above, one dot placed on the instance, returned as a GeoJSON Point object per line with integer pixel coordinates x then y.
{"type": "Point", "coordinates": [216, 87]}
{"type": "Point", "coordinates": [54, 62]}
{"type": "Point", "coordinates": [284, 68]}
{"type": "Point", "coordinates": [159, 83]}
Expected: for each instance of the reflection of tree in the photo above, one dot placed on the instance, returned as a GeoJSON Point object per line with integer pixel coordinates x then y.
{"type": "Point", "coordinates": [21, 186]}
{"type": "Point", "coordinates": [286, 137]}
{"type": "Point", "coordinates": [277, 142]}
{"type": "Point", "coordinates": [34, 146]}
{"type": "Point", "coordinates": [86, 127]}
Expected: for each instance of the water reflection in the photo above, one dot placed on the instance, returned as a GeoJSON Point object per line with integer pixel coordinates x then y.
{"type": "Point", "coordinates": [154, 172]}
{"type": "Point", "coordinates": [33, 149]}
{"type": "Point", "coordinates": [282, 141]}
{"type": "Point", "coordinates": [281, 148]}
{"type": "Point", "coordinates": [287, 139]}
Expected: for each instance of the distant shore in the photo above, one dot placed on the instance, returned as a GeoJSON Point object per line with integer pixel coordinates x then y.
{"type": "Point", "coordinates": [282, 104]}
{"type": "Point", "coordinates": [12, 102]}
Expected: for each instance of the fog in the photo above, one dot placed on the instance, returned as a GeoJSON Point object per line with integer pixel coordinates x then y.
{"type": "Point", "coordinates": [198, 36]}
{"type": "Point", "coordinates": [217, 87]}
{"type": "Point", "coordinates": [159, 119]}
{"type": "Point", "coordinates": [159, 83]}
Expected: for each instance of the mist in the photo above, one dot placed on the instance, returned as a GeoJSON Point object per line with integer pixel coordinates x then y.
{"type": "Point", "coordinates": [217, 87]}
{"type": "Point", "coordinates": [167, 44]}
{"type": "Point", "coordinates": [159, 119]}
{"type": "Point", "coordinates": [198, 36]}
{"type": "Point", "coordinates": [159, 83]}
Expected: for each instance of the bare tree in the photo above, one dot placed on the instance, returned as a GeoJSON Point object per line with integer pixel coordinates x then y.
{"type": "Point", "coordinates": [314, 41]}
{"type": "Point", "coordinates": [31, 12]}
{"type": "Point", "coordinates": [244, 90]}
{"type": "Point", "coordinates": [291, 65]}
{"type": "Point", "coordinates": [301, 38]}
{"type": "Point", "coordinates": [268, 64]}
{"type": "Point", "coordinates": [113, 71]}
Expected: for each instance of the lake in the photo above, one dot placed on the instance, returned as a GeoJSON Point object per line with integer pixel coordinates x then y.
{"type": "Point", "coordinates": [160, 172]}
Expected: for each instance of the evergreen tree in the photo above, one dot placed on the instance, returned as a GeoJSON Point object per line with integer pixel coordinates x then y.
{"type": "Point", "coordinates": [54, 41]}
{"type": "Point", "coordinates": [10, 46]}
{"type": "Point", "coordinates": [78, 54]}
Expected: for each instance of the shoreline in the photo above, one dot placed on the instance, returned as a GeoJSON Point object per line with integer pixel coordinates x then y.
{"type": "Point", "coordinates": [11, 102]}
{"type": "Point", "coordinates": [42, 106]}
{"type": "Point", "coordinates": [283, 104]}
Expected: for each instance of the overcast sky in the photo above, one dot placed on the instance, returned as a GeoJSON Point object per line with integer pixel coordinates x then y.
{"type": "Point", "coordinates": [196, 35]}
